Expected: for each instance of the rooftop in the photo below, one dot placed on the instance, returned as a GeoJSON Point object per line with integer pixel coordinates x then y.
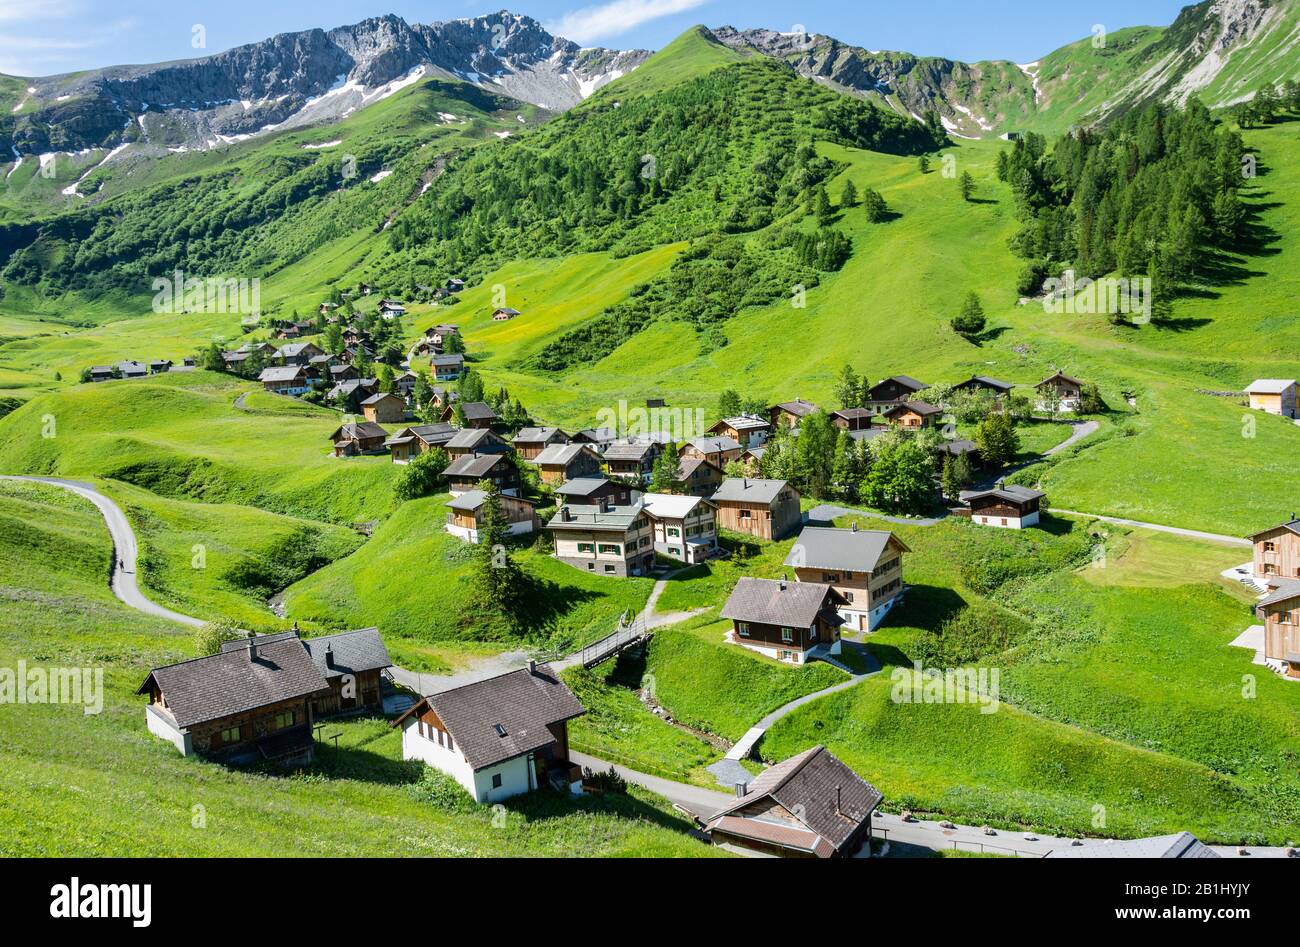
{"type": "Point", "coordinates": [750, 490]}
{"type": "Point", "coordinates": [823, 547]}
{"type": "Point", "coordinates": [778, 602]}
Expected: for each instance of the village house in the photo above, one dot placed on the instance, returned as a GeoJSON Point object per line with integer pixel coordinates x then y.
{"type": "Point", "coordinates": [985, 383]}
{"type": "Point", "coordinates": [634, 460]}
{"type": "Point", "coordinates": [504, 314]}
{"type": "Point", "coordinates": [1279, 610]}
{"type": "Point", "coordinates": [404, 384]}
{"type": "Point", "coordinates": [1275, 395]}
{"type": "Point", "coordinates": [464, 473]}
{"type": "Point", "coordinates": [443, 397]}
{"type": "Point", "coordinates": [1007, 505]}
{"type": "Point", "coordinates": [477, 414]}
{"type": "Point", "coordinates": [286, 379]}
{"type": "Point", "coordinates": [864, 565]}
{"type": "Point", "coordinates": [752, 460]}
{"type": "Point", "coordinates": [960, 448]}
{"type": "Point", "coordinates": [297, 353]}
{"type": "Point", "coordinates": [132, 369]}
{"type": "Point", "coordinates": [890, 391]}
{"type": "Point", "coordinates": [475, 440]}
{"type": "Point", "coordinates": [809, 806]}
{"type": "Point", "coordinates": [500, 737]}
{"type": "Point", "coordinates": [590, 491]}
{"type": "Point", "coordinates": [852, 419]}
{"type": "Point", "coordinates": [685, 528]}
{"type": "Point", "coordinates": [1277, 551]}
{"type": "Point", "coordinates": [719, 450]}
{"type": "Point", "coordinates": [410, 442]}
{"type": "Point", "coordinates": [561, 462]}
{"type": "Point", "coordinates": [698, 477]}
{"type": "Point", "coordinates": [323, 362]}
{"type": "Point", "coordinates": [391, 308]}
{"type": "Point", "coordinates": [789, 413]}
{"type": "Point", "coordinates": [246, 705]}
{"type": "Point", "coordinates": [465, 514]}
{"type": "Point", "coordinates": [455, 285]}
{"type": "Point", "coordinates": [326, 309]}
{"type": "Point", "coordinates": [160, 366]}
{"type": "Point", "coordinates": [913, 414]}
{"type": "Point", "coordinates": [604, 538]}
{"type": "Point", "coordinates": [747, 430]}
{"type": "Point", "coordinates": [384, 408]}
{"type": "Point", "coordinates": [788, 621]}
{"type": "Point", "coordinates": [531, 441]}
{"type": "Point", "coordinates": [447, 367]}
{"type": "Point", "coordinates": [598, 437]}
{"type": "Point", "coordinates": [1061, 389]}
{"type": "Point", "coordinates": [351, 662]}
{"type": "Point", "coordinates": [768, 509]}
{"type": "Point", "coordinates": [441, 334]}
{"type": "Point", "coordinates": [356, 438]}
{"type": "Point", "coordinates": [352, 389]}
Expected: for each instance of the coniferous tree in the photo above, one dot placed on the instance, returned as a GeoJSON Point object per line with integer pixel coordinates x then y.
{"type": "Point", "coordinates": [969, 322]}
{"type": "Point", "coordinates": [848, 387]}
{"type": "Point", "coordinates": [496, 584]}
{"type": "Point", "coordinates": [997, 440]}
{"type": "Point", "coordinates": [849, 196]}
{"type": "Point", "coordinates": [874, 205]}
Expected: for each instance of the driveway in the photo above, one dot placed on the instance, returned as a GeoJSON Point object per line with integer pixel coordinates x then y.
{"type": "Point", "coordinates": [122, 575]}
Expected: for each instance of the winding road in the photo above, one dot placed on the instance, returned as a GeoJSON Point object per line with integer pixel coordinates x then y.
{"type": "Point", "coordinates": [122, 574]}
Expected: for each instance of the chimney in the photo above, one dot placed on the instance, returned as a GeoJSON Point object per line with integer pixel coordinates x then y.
{"type": "Point", "coordinates": [329, 655]}
{"type": "Point", "coordinates": [741, 790]}
{"type": "Point", "coordinates": [744, 483]}
{"type": "Point", "coordinates": [252, 646]}
{"type": "Point", "coordinates": [854, 527]}
{"type": "Point", "coordinates": [782, 581]}
{"type": "Point", "coordinates": [532, 667]}
{"type": "Point", "coordinates": [565, 515]}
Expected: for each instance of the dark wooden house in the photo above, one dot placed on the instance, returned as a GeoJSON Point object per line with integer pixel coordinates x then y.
{"type": "Point", "coordinates": [784, 619]}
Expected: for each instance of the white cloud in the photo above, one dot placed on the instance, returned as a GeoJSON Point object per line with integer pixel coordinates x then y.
{"type": "Point", "coordinates": [619, 16]}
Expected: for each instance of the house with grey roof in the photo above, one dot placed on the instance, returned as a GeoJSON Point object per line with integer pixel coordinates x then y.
{"type": "Point", "coordinates": [718, 449]}
{"type": "Point", "coordinates": [632, 459]}
{"type": "Point", "coordinates": [286, 379]}
{"type": "Point", "coordinates": [358, 437]}
{"type": "Point", "coordinates": [477, 414]}
{"type": "Point", "coordinates": [748, 430]}
{"type": "Point", "coordinates": [531, 441]}
{"type": "Point", "coordinates": [465, 514]}
{"type": "Point", "coordinates": [789, 413]}
{"type": "Point", "coordinates": [1059, 392]}
{"type": "Point", "coordinates": [768, 509]}
{"type": "Point", "coordinates": [809, 806]}
{"type": "Point", "coordinates": [476, 440]}
{"type": "Point", "coordinates": [588, 491]}
{"type": "Point", "coordinates": [864, 565]}
{"type": "Point", "coordinates": [685, 527]}
{"type": "Point", "coordinates": [890, 391]}
{"type": "Point", "coordinates": [1275, 395]}
{"type": "Point", "coordinates": [465, 472]}
{"type": "Point", "coordinates": [351, 663]}
{"type": "Point", "coordinates": [499, 737]}
{"type": "Point", "coordinates": [1009, 506]}
{"type": "Point", "coordinates": [788, 621]}
{"type": "Point", "coordinates": [598, 437]}
{"type": "Point", "coordinates": [560, 462]}
{"type": "Point", "coordinates": [447, 367]}
{"type": "Point", "coordinates": [985, 383]}
{"type": "Point", "coordinates": [605, 538]}
{"type": "Point", "coordinates": [250, 703]}
{"type": "Point", "coordinates": [412, 441]}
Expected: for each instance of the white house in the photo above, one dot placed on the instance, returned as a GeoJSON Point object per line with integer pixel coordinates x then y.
{"type": "Point", "coordinates": [1275, 395]}
{"type": "Point", "coordinates": [863, 565]}
{"type": "Point", "coordinates": [500, 737]}
{"type": "Point", "coordinates": [685, 528]}
{"type": "Point", "coordinates": [1006, 506]}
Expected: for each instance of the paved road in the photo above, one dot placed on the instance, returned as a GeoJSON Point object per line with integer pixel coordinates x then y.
{"type": "Point", "coordinates": [122, 576]}
{"type": "Point", "coordinates": [1175, 530]}
{"type": "Point", "coordinates": [1078, 432]}
{"type": "Point", "coordinates": [698, 801]}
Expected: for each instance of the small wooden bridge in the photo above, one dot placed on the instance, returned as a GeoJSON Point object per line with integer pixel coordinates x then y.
{"type": "Point", "coordinates": [631, 631]}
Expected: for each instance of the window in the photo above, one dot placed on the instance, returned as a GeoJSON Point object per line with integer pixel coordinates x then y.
{"type": "Point", "coordinates": [787, 635]}
{"type": "Point", "coordinates": [674, 551]}
{"type": "Point", "coordinates": [812, 632]}
{"type": "Point", "coordinates": [848, 595]}
{"type": "Point", "coordinates": [610, 569]}
{"type": "Point", "coordinates": [591, 567]}
{"type": "Point", "coordinates": [500, 730]}
{"type": "Point", "coordinates": [645, 541]}
{"type": "Point", "coordinates": [1270, 547]}
{"type": "Point", "coordinates": [496, 780]}
{"type": "Point", "coordinates": [586, 547]}
{"type": "Point", "coordinates": [742, 627]}
{"type": "Point", "coordinates": [830, 577]}
{"type": "Point", "coordinates": [230, 735]}
{"type": "Point", "coordinates": [284, 720]}
{"type": "Point", "coordinates": [612, 549]}
{"type": "Point", "coordinates": [674, 531]}
{"type": "Point", "coordinates": [1269, 568]}
{"type": "Point", "coordinates": [745, 514]}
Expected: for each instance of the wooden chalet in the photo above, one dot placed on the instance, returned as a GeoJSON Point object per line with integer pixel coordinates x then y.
{"type": "Point", "coordinates": [476, 413]}
{"type": "Point", "coordinates": [1275, 395]}
{"type": "Point", "coordinates": [809, 806]}
{"type": "Point", "coordinates": [985, 383]}
{"type": "Point", "coordinates": [384, 408]}
{"type": "Point", "coordinates": [913, 414]}
{"type": "Point", "coordinates": [287, 379]}
{"type": "Point", "coordinates": [531, 441]}
{"type": "Point", "coordinates": [634, 460]}
{"type": "Point", "coordinates": [685, 527]}
{"type": "Point", "coordinates": [591, 491]}
{"type": "Point", "coordinates": [561, 462]}
{"type": "Point", "coordinates": [746, 430]}
{"type": "Point", "coordinates": [464, 473]}
{"type": "Point", "coordinates": [1007, 506]}
{"type": "Point", "coordinates": [249, 704]}
{"type": "Point", "coordinates": [789, 413]}
{"type": "Point", "coordinates": [719, 449]}
{"type": "Point", "coordinates": [351, 662]}
{"type": "Point", "coordinates": [768, 509]}
{"type": "Point", "coordinates": [890, 391]}
{"type": "Point", "coordinates": [864, 565]}
{"type": "Point", "coordinates": [1277, 551]}
{"type": "Point", "coordinates": [446, 367]}
{"type": "Point", "coordinates": [1064, 389]}
{"type": "Point", "coordinates": [504, 314]}
{"type": "Point", "coordinates": [359, 437]}
{"type": "Point", "coordinates": [853, 419]}
{"type": "Point", "coordinates": [1279, 610]}
{"type": "Point", "coordinates": [784, 620]}
{"type": "Point", "coordinates": [475, 440]}
{"type": "Point", "coordinates": [297, 353]}
{"type": "Point", "coordinates": [410, 442]}
{"type": "Point", "coordinates": [698, 477]}
{"type": "Point", "coordinates": [500, 737]}
{"type": "Point", "coordinates": [465, 514]}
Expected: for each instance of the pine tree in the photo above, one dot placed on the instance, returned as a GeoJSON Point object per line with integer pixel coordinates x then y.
{"type": "Point", "coordinates": [663, 476]}
{"type": "Point", "coordinates": [849, 196]}
{"type": "Point", "coordinates": [967, 185]}
{"type": "Point", "coordinates": [951, 488]}
{"type": "Point", "coordinates": [848, 387]}
{"type": "Point", "coordinates": [495, 581]}
{"type": "Point", "coordinates": [923, 163]}
{"type": "Point", "coordinates": [997, 440]}
{"type": "Point", "coordinates": [874, 205]}
{"type": "Point", "coordinates": [970, 321]}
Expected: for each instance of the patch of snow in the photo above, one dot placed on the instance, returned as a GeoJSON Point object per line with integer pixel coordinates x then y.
{"type": "Point", "coordinates": [397, 85]}
{"type": "Point", "coordinates": [62, 98]}
{"type": "Point", "coordinates": [447, 116]}
{"type": "Point", "coordinates": [380, 175]}
{"type": "Point", "coordinates": [502, 134]}
{"type": "Point", "coordinates": [954, 129]}
{"type": "Point", "coordinates": [18, 162]}
{"type": "Point", "coordinates": [973, 117]}
{"type": "Point", "coordinates": [1031, 70]}
{"type": "Point", "coordinates": [323, 144]}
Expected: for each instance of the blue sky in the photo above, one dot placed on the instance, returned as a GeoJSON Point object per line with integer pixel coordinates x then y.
{"type": "Point", "coordinates": [40, 37]}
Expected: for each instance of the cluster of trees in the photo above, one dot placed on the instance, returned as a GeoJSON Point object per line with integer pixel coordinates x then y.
{"type": "Point", "coordinates": [1268, 104]}
{"type": "Point", "coordinates": [1153, 193]}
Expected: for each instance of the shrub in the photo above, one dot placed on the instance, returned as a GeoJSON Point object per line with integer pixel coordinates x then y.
{"type": "Point", "coordinates": [210, 637]}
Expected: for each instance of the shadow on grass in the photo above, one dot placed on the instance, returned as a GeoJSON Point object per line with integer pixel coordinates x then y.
{"type": "Point", "coordinates": [926, 607]}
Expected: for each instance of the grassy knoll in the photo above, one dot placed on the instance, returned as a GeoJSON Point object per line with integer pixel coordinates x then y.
{"type": "Point", "coordinates": [180, 435]}
{"type": "Point", "coordinates": [100, 785]}
{"type": "Point", "coordinates": [410, 581]}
